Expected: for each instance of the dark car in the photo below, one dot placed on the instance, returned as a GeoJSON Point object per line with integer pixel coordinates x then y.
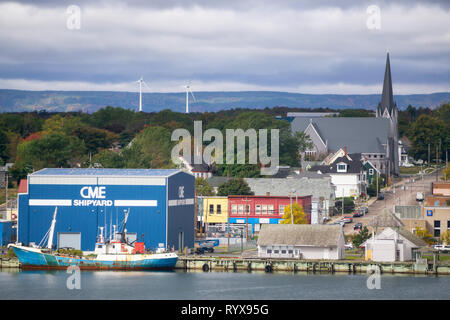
{"type": "Point", "coordinates": [381, 196]}
{"type": "Point", "coordinates": [357, 226]}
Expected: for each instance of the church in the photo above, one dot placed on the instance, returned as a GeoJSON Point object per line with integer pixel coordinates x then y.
{"type": "Point", "coordinates": [375, 138]}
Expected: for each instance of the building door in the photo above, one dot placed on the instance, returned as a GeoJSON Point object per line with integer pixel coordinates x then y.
{"type": "Point", "coordinates": [326, 253]}
{"type": "Point", "coordinates": [180, 241]}
{"type": "Point", "coordinates": [69, 240]}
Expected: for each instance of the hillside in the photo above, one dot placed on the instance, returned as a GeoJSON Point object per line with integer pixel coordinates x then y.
{"type": "Point", "coordinates": [90, 101]}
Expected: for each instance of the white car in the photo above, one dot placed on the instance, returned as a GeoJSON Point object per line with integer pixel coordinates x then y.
{"type": "Point", "coordinates": [348, 246]}
{"type": "Point", "coordinates": [441, 247]}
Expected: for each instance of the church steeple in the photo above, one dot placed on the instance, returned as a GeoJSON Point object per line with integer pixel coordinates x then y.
{"type": "Point", "coordinates": [387, 97]}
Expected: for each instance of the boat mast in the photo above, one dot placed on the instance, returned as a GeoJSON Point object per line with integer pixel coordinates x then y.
{"type": "Point", "coordinates": [52, 230]}
{"type": "Point", "coordinates": [124, 229]}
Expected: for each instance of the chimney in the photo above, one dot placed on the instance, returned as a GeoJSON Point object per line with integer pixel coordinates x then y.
{"type": "Point", "coordinates": [345, 150]}
{"type": "Point", "coordinates": [267, 194]}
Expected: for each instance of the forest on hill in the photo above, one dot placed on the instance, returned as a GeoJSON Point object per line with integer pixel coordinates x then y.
{"type": "Point", "coordinates": [35, 140]}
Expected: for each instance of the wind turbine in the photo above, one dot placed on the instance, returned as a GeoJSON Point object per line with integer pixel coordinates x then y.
{"type": "Point", "coordinates": [141, 81]}
{"type": "Point", "coordinates": [188, 89]}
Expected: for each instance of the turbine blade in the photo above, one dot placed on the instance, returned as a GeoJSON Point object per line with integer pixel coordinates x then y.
{"type": "Point", "coordinates": [192, 94]}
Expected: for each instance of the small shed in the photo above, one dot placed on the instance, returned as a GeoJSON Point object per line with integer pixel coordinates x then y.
{"type": "Point", "coordinates": [392, 244]}
{"type": "Point", "coordinates": [301, 241]}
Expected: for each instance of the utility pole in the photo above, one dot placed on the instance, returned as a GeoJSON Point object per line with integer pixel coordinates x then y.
{"type": "Point", "coordinates": [437, 164]}
{"type": "Point", "coordinates": [6, 195]}
{"type": "Point", "coordinates": [292, 216]}
{"type": "Point", "coordinates": [428, 154]}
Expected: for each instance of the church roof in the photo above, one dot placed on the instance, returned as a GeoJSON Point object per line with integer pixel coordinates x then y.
{"type": "Point", "coordinates": [387, 97]}
{"type": "Point", "coordinates": [360, 135]}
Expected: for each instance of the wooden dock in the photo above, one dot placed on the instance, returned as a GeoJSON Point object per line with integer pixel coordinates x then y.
{"type": "Point", "coordinates": [314, 266]}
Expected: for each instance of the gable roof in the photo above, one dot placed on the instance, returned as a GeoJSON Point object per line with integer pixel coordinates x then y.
{"type": "Point", "coordinates": [362, 135]}
{"type": "Point", "coordinates": [353, 161]}
{"type": "Point", "coordinates": [403, 233]}
{"type": "Point", "coordinates": [316, 235]}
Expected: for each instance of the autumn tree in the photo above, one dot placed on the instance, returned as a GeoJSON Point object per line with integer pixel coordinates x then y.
{"type": "Point", "coordinates": [297, 212]}
{"type": "Point", "coordinates": [423, 234]}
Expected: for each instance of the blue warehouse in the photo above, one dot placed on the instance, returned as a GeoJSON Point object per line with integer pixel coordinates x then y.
{"type": "Point", "coordinates": [159, 202]}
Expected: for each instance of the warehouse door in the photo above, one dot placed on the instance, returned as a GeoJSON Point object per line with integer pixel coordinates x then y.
{"type": "Point", "coordinates": [69, 240]}
{"type": "Point", "coordinates": [180, 241]}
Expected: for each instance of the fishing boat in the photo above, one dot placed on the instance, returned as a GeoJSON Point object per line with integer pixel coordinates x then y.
{"type": "Point", "coordinates": [109, 254]}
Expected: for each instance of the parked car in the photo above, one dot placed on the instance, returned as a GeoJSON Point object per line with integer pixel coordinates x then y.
{"type": "Point", "coordinates": [325, 219]}
{"type": "Point", "coordinates": [348, 245]}
{"type": "Point", "coordinates": [357, 214]}
{"type": "Point", "coordinates": [365, 209]}
{"type": "Point", "coordinates": [419, 196]}
{"type": "Point", "coordinates": [380, 196]}
{"type": "Point", "coordinates": [347, 219]}
{"type": "Point", "coordinates": [358, 226]}
{"type": "Point", "coordinates": [441, 247]}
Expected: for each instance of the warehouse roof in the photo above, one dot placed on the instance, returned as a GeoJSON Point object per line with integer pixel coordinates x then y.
{"type": "Point", "coordinates": [316, 235]}
{"type": "Point", "coordinates": [105, 172]}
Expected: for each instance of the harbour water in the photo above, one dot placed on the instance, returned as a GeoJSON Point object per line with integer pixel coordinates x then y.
{"type": "Point", "coordinates": [181, 285]}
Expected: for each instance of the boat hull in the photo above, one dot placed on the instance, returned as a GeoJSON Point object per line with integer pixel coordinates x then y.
{"type": "Point", "coordinates": [33, 259]}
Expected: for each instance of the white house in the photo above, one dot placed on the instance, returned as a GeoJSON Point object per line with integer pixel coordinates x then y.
{"type": "Point", "coordinates": [392, 244]}
{"type": "Point", "coordinates": [347, 174]}
{"type": "Point", "coordinates": [301, 241]}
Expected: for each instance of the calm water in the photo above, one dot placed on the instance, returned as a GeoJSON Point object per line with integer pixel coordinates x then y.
{"type": "Point", "coordinates": [216, 285]}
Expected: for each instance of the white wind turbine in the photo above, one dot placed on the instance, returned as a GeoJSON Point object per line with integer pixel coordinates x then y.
{"type": "Point", "coordinates": [141, 81]}
{"type": "Point", "coordinates": [188, 89]}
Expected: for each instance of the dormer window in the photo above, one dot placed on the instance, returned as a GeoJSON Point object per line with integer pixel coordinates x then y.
{"type": "Point", "coordinates": [342, 167]}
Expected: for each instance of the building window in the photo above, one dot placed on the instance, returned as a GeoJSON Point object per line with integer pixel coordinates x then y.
{"type": "Point", "coordinates": [437, 228]}
{"type": "Point", "coordinates": [247, 208]}
{"type": "Point", "coordinates": [211, 209]}
{"type": "Point", "coordinates": [234, 209]}
{"type": "Point", "coordinates": [258, 209]}
{"type": "Point", "coordinates": [448, 224]}
{"type": "Point", "coordinates": [264, 209]}
{"type": "Point", "coordinates": [374, 155]}
{"type": "Point", "coordinates": [269, 251]}
{"type": "Point", "coordinates": [342, 167]}
{"type": "Point", "coordinates": [371, 172]}
{"type": "Point", "coordinates": [283, 251]}
{"type": "Point", "coordinates": [270, 209]}
{"type": "Point", "coordinates": [290, 251]}
{"type": "Point", "coordinates": [219, 209]}
{"type": "Point", "coordinates": [276, 251]}
{"type": "Point", "coordinates": [241, 209]}
{"type": "Point", "coordinates": [281, 210]}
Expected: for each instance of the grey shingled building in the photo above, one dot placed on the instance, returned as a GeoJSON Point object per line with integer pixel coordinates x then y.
{"type": "Point", "coordinates": [375, 138]}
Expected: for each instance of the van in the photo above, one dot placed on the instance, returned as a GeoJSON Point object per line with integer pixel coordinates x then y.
{"type": "Point", "coordinates": [419, 196]}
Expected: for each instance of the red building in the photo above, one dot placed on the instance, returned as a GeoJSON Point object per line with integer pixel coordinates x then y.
{"type": "Point", "coordinates": [257, 210]}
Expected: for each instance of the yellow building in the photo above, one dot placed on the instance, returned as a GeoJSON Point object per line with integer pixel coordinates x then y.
{"type": "Point", "coordinates": [215, 209]}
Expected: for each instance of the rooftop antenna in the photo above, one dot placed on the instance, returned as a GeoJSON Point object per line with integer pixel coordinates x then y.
{"type": "Point", "coordinates": [141, 81]}
{"type": "Point", "coordinates": [188, 89]}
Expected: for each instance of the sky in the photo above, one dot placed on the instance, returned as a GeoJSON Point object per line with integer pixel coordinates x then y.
{"type": "Point", "coordinates": [336, 47]}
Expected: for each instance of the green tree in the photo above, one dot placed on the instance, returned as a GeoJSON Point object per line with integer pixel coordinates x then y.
{"type": "Point", "coordinates": [361, 237]}
{"type": "Point", "coordinates": [109, 159]}
{"type": "Point", "coordinates": [297, 212]}
{"type": "Point", "coordinates": [235, 186]}
{"type": "Point", "coordinates": [151, 148]}
{"type": "Point", "coordinates": [4, 143]}
{"type": "Point", "coordinates": [428, 130]}
{"type": "Point", "coordinates": [203, 188]}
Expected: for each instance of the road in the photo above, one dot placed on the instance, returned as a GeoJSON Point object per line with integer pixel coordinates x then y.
{"type": "Point", "coordinates": [404, 194]}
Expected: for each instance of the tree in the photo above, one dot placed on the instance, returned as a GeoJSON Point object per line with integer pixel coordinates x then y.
{"type": "Point", "coordinates": [235, 186]}
{"type": "Point", "coordinates": [109, 159]}
{"type": "Point", "coordinates": [203, 188]}
{"type": "Point", "coordinates": [361, 237]}
{"type": "Point", "coordinates": [297, 212]}
{"type": "Point", "coordinates": [445, 237]}
{"type": "Point", "coordinates": [423, 234]}
{"type": "Point", "coordinates": [446, 173]}
{"type": "Point", "coordinates": [4, 142]}
{"type": "Point", "coordinates": [428, 130]}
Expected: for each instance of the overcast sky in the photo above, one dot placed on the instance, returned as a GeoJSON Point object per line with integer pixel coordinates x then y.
{"type": "Point", "coordinates": [232, 45]}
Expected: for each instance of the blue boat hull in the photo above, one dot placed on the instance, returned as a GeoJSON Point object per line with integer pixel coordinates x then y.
{"type": "Point", "coordinates": [39, 260]}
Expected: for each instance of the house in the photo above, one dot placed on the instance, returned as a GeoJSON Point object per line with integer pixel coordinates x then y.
{"type": "Point", "coordinates": [213, 211]}
{"type": "Point", "coordinates": [301, 241]}
{"type": "Point", "coordinates": [202, 170]}
{"type": "Point", "coordinates": [392, 244]}
{"type": "Point", "coordinates": [376, 138]}
{"type": "Point", "coordinates": [254, 211]}
{"type": "Point", "coordinates": [347, 175]}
